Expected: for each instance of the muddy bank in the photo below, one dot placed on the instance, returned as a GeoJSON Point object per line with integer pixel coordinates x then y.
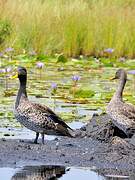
{"type": "Point", "coordinates": [95, 147]}
{"type": "Point", "coordinates": [69, 152]}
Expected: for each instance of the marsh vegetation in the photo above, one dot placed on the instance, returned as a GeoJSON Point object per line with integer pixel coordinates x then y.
{"type": "Point", "coordinates": [79, 27]}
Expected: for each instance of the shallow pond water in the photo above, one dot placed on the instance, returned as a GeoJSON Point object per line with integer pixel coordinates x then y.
{"type": "Point", "coordinates": [47, 172]}
{"type": "Point", "coordinates": [24, 133]}
{"type": "Point", "coordinates": [63, 102]}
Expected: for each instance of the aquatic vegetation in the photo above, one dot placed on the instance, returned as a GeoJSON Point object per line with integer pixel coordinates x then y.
{"type": "Point", "coordinates": [32, 53]}
{"type": "Point", "coordinates": [61, 58]}
{"type": "Point", "coordinates": [122, 59]}
{"type": "Point", "coordinates": [133, 73]}
{"type": "Point", "coordinates": [76, 90]}
{"type": "Point", "coordinates": [39, 66]}
{"type": "Point", "coordinates": [54, 88]}
{"type": "Point", "coordinates": [1, 54]}
{"type": "Point", "coordinates": [75, 79]}
{"type": "Point", "coordinates": [82, 93]}
{"type": "Point", "coordinates": [109, 50]}
{"type": "Point", "coordinates": [5, 73]}
{"type": "Point", "coordinates": [53, 92]}
{"type": "Point", "coordinates": [5, 30]}
{"type": "Point", "coordinates": [9, 49]}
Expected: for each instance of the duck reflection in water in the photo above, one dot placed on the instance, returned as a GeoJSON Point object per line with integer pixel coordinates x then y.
{"type": "Point", "coordinates": [39, 173]}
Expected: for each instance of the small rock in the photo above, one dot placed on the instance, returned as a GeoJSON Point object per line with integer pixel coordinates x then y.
{"type": "Point", "coordinates": [21, 140]}
{"type": "Point", "coordinates": [28, 147]}
{"type": "Point", "coordinates": [67, 161]}
{"type": "Point", "coordinates": [95, 114]}
{"type": "Point", "coordinates": [6, 134]}
{"type": "Point", "coordinates": [91, 158]}
{"type": "Point", "coordinates": [56, 139]}
{"type": "Point", "coordinates": [57, 145]}
{"type": "Point", "coordinates": [69, 145]}
{"type": "Point", "coordinates": [62, 155]}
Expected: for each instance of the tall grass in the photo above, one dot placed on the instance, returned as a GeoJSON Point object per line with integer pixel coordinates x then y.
{"type": "Point", "coordinates": [73, 27]}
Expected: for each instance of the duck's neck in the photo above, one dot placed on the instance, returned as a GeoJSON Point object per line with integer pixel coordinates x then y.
{"type": "Point", "coordinates": [120, 88]}
{"type": "Point", "coordinates": [21, 92]}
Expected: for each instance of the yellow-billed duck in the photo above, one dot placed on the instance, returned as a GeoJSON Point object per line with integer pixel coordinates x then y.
{"type": "Point", "coordinates": [37, 117]}
{"type": "Point", "coordinates": [123, 114]}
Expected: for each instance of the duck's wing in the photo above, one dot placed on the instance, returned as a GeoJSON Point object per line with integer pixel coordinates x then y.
{"type": "Point", "coordinates": [56, 122]}
{"type": "Point", "coordinates": [50, 114]}
{"type": "Point", "coordinates": [125, 122]}
{"type": "Point", "coordinates": [43, 118]}
{"type": "Point", "coordinates": [123, 116]}
{"type": "Point", "coordinates": [129, 108]}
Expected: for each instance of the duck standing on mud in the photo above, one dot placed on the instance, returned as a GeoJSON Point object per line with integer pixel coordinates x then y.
{"type": "Point", "coordinates": [36, 117]}
{"type": "Point", "coordinates": [122, 114]}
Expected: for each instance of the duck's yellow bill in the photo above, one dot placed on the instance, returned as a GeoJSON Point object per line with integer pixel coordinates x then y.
{"type": "Point", "coordinates": [112, 78]}
{"type": "Point", "coordinates": [14, 76]}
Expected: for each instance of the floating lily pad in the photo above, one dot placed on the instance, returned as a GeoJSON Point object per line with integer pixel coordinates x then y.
{"type": "Point", "coordinates": [80, 93]}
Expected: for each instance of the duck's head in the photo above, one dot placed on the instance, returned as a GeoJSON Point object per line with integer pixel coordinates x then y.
{"type": "Point", "coordinates": [120, 73]}
{"type": "Point", "coordinates": [21, 74]}
{"type": "Point", "coordinates": [21, 71]}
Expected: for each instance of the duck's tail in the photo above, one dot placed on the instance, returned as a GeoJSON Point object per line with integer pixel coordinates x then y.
{"type": "Point", "coordinates": [72, 133]}
{"type": "Point", "coordinates": [65, 131]}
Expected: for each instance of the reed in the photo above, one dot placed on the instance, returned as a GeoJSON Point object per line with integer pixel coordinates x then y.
{"type": "Point", "coordinates": [73, 27]}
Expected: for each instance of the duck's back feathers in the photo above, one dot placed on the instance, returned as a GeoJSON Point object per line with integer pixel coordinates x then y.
{"type": "Point", "coordinates": [50, 114]}
{"type": "Point", "coordinates": [41, 119]}
{"type": "Point", "coordinates": [123, 116]}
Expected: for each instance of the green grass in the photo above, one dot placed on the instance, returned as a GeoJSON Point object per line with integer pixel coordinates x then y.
{"type": "Point", "coordinates": [72, 27]}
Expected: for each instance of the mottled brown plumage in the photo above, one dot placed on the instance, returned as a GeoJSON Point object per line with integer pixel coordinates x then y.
{"type": "Point", "coordinates": [37, 117]}
{"type": "Point", "coordinates": [123, 114]}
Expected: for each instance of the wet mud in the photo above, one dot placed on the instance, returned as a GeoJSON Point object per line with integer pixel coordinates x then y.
{"type": "Point", "coordinates": [98, 144]}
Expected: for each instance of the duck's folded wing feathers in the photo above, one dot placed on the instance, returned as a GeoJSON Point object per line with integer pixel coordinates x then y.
{"type": "Point", "coordinates": [130, 108]}
{"type": "Point", "coordinates": [50, 114]}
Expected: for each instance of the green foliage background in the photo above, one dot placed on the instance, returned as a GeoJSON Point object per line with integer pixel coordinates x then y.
{"type": "Point", "coordinates": [72, 27]}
